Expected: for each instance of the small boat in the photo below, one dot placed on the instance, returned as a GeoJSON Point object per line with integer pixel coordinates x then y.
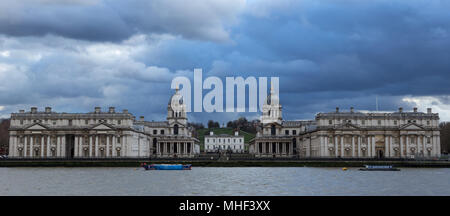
{"type": "Point", "coordinates": [167, 166]}
{"type": "Point", "coordinates": [379, 168]}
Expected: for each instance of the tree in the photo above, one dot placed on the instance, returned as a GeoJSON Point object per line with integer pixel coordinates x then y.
{"type": "Point", "coordinates": [213, 124]}
{"type": "Point", "coordinates": [445, 136]}
{"type": "Point", "coordinates": [4, 136]}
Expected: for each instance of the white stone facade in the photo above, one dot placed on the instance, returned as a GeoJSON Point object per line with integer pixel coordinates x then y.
{"type": "Point", "coordinates": [349, 134]}
{"type": "Point", "coordinates": [99, 134]}
{"type": "Point", "coordinates": [235, 142]}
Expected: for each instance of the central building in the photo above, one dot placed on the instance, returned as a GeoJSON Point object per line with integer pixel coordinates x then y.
{"type": "Point", "coordinates": [347, 134]}
{"type": "Point", "coordinates": [98, 134]}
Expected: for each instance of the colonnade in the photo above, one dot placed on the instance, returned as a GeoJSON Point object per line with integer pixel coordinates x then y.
{"type": "Point", "coordinates": [271, 148]}
{"type": "Point", "coordinates": [405, 145]}
{"type": "Point", "coordinates": [174, 148]}
{"type": "Point", "coordinates": [50, 145]}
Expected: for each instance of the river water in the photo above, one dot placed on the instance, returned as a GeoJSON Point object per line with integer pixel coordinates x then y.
{"type": "Point", "coordinates": [223, 181]}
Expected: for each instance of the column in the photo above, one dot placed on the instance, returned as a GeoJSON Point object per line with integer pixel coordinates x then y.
{"type": "Point", "coordinates": [25, 145]}
{"type": "Point", "coordinates": [81, 141]}
{"type": "Point", "coordinates": [386, 145]}
{"type": "Point", "coordinates": [373, 146]}
{"type": "Point", "coordinates": [11, 146]}
{"type": "Point", "coordinates": [353, 146]}
{"type": "Point", "coordinates": [359, 146]}
{"type": "Point", "coordinates": [438, 146]}
{"type": "Point", "coordinates": [91, 141]}
{"type": "Point", "coordinates": [322, 146]}
{"type": "Point", "coordinates": [75, 146]}
{"type": "Point", "coordinates": [424, 149]}
{"type": "Point", "coordinates": [63, 147]}
{"type": "Point", "coordinates": [31, 145]}
{"type": "Point", "coordinates": [391, 150]}
{"type": "Point", "coordinates": [336, 146]}
{"type": "Point", "coordinates": [42, 146]}
{"type": "Point", "coordinates": [107, 145]}
{"type": "Point", "coordinates": [407, 146]}
{"type": "Point", "coordinates": [326, 147]}
{"type": "Point", "coordinates": [433, 146]}
{"type": "Point", "coordinates": [185, 148]}
{"type": "Point", "coordinates": [401, 146]}
{"type": "Point", "coordinates": [47, 154]}
{"type": "Point", "coordinates": [342, 147]}
{"type": "Point", "coordinates": [114, 151]}
{"type": "Point", "coordinates": [96, 146]}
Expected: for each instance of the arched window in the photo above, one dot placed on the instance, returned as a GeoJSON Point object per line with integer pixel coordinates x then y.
{"type": "Point", "coordinates": [294, 145]}
{"type": "Point", "coordinates": [272, 130]}
{"type": "Point", "coordinates": [155, 141]}
{"type": "Point", "coordinates": [175, 129]}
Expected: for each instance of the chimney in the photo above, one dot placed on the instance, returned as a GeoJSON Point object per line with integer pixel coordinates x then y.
{"type": "Point", "coordinates": [400, 109]}
{"type": "Point", "coordinates": [429, 110]}
{"type": "Point", "coordinates": [236, 133]}
{"type": "Point", "coordinates": [48, 109]}
{"type": "Point", "coordinates": [141, 118]}
{"type": "Point", "coordinates": [211, 133]}
{"type": "Point", "coordinates": [125, 111]}
{"type": "Point", "coordinates": [97, 109]}
{"type": "Point", "coordinates": [33, 109]}
{"type": "Point", "coordinates": [21, 111]}
{"type": "Point", "coordinates": [351, 109]}
{"type": "Point", "coordinates": [415, 109]}
{"type": "Point", "coordinates": [337, 109]}
{"type": "Point", "coordinates": [112, 110]}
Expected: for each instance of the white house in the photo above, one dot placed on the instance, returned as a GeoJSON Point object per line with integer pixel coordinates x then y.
{"type": "Point", "coordinates": [235, 142]}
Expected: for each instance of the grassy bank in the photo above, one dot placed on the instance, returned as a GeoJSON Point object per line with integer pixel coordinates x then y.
{"type": "Point", "coordinates": [244, 163]}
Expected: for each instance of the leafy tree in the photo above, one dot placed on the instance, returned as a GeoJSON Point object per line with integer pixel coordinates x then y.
{"type": "Point", "coordinates": [445, 136]}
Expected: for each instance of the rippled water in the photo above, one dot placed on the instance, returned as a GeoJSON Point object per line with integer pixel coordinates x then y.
{"type": "Point", "coordinates": [223, 181]}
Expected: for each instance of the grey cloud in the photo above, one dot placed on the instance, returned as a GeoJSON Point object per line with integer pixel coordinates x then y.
{"type": "Point", "coordinates": [118, 20]}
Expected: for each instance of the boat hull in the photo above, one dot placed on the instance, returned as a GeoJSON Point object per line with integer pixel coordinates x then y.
{"type": "Point", "coordinates": [168, 167]}
{"type": "Point", "coordinates": [392, 169]}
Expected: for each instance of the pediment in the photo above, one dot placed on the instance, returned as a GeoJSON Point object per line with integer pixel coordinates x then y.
{"type": "Point", "coordinates": [411, 126]}
{"type": "Point", "coordinates": [348, 126]}
{"type": "Point", "coordinates": [37, 126]}
{"type": "Point", "coordinates": [102, 127]}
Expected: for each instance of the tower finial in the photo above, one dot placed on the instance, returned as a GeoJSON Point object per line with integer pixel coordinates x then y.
{"type": "Point", "coordinates": [178, 87]}
{"type": "Point", "coordinates": [271, 86]}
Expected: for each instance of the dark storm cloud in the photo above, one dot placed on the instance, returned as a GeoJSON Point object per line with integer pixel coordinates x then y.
{"type": "Point", "coordinates": [105, 20]}
{"type": "Point", "coordinates": [326, 53]}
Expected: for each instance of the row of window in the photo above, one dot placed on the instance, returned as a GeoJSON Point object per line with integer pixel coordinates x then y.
{"type": "Point", "coordinates": [222, 147]}
{"type": "Point", "coordinates": [229, 140]}
{"type": "Point", "coordinates": [363, 122]}
{"type": "Point", "coordinates": [70, 122]}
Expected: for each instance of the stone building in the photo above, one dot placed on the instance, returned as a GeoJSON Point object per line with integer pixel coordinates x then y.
{"type": "Point", "coordinates": [347, 134]}
{"type": "Point", "coordinates": [100, 134]}
{"type": "Point", "coordinates": [214, 142]}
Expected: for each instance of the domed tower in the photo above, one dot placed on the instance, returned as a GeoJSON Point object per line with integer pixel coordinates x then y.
{"type": "Point", "coordinates": [176, 109]}
{"type": "Point", "coordinates": [271, 108]}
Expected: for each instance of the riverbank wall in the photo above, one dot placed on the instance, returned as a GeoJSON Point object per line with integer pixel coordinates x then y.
{"type": "Point", "coordinates": [217, 163]}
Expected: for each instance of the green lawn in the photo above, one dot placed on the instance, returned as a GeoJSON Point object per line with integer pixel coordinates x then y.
{"type": "Point", "coordinates": [205, 131]}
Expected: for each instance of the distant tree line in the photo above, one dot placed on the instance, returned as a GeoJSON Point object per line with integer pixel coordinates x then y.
{"type": "Point", "coordinates": [445, 136]}
{"type": "Point", "coordinates": [213, 124]}
{"type": "Point", "coordinates": [243, 124]}
{"type": "Point", "coordinates": [4, 136]}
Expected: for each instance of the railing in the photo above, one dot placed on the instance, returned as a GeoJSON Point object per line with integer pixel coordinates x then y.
{"type": "Point", "coordinates": [234, 157]}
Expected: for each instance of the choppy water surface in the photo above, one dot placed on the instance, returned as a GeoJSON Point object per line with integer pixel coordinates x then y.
{"type": "Point", "coordinates": [223, 181]}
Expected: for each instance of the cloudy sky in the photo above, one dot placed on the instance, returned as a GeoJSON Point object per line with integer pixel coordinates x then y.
{"type": "Point", "coordinates": [74, 55]}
